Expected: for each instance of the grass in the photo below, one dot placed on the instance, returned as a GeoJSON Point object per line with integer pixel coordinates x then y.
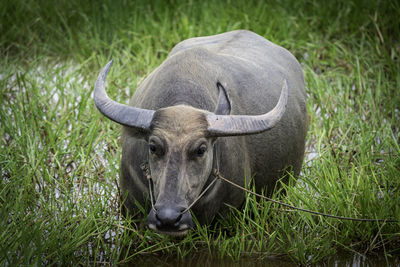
{"type": "Point", "coordinates": [59, 157]}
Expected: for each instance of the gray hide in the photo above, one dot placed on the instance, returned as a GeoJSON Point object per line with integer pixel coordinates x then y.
{"type": "Point", "coordinates": [252, 70]}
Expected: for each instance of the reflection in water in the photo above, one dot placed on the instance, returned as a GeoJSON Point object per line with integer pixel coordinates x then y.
{"type": "Point", "coordinates": [204, 259]}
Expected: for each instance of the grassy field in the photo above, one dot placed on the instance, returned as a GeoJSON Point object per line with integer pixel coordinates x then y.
{"type": "Point", "coordinates": [59, 157]}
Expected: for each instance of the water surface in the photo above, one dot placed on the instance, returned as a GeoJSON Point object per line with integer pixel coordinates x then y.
{"type": "Point", "coordinates": [204, 259]}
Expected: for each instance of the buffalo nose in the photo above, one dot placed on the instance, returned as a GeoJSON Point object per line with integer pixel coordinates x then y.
{"type": "Point", "coordinates": [170, 219]}
{"type": "Point", "coordinates": [167, 216]}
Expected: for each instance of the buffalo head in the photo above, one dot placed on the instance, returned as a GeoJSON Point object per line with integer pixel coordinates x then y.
{"type": "Point", "coordinates": [180, 147]}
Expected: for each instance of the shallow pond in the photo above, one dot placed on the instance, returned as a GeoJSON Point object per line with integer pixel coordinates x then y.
{"type": "Point", "coordinates": [204, 259]}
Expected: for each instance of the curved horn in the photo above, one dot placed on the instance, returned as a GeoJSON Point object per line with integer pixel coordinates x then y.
{"type": "Point", "coordinates": [122, 114]}
{"type": "Point", "coordinates": [231, 125]}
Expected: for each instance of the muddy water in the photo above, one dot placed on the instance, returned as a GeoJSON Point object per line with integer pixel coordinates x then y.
{"type": "Point", "coordinates": [206, 260]}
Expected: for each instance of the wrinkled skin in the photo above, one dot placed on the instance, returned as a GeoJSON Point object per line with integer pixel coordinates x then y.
{"type": "Point", "coordinates": [178, 145]}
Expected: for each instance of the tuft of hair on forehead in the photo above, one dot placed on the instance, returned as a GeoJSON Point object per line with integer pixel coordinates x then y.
{"type": "Point", "coordinates": [180, 119]}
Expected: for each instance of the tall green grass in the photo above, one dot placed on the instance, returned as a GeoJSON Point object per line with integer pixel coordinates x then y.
{"type": "Point", "coordinates": [59, 157]}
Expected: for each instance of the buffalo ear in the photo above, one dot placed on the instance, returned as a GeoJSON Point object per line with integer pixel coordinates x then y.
{"type": "Point", "coordinates": [223, 105]}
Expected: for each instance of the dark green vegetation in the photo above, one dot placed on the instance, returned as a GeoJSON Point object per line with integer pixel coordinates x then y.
{"type": "Point", "coordinates": [59, 157]}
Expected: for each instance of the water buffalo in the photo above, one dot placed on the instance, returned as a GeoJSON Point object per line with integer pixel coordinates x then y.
{"type": "Point", "coordinates": [209, 105]}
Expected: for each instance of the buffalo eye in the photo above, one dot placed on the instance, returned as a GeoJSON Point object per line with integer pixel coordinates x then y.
{"type": "Point", "coordinates": [156, 146]}
{"type": "Point", "coordinates": [202, 150]}
{"type": "Point", "coordinates": [152, 148]}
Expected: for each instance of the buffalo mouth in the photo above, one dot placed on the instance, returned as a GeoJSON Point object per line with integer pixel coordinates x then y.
{"type": "Point", "coordinates": [172, 232]}
{"type": "Point", "coordinates": [170, 221]}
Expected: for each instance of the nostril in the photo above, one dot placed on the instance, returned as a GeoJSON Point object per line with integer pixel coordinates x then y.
{"type": "Point", "coordinates": [178, 221]}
